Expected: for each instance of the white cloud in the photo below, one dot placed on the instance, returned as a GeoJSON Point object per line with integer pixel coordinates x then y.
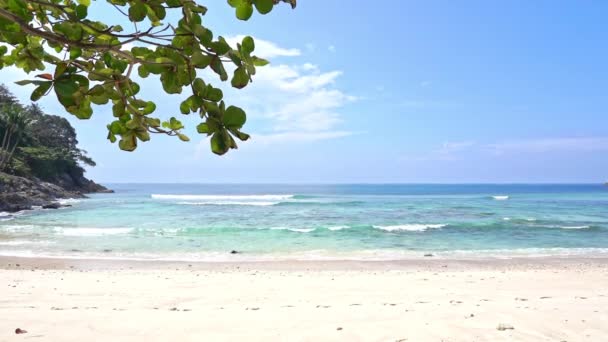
{"type": "Point", "coordinates": [298, 137]}
{"type": "Point", "coordinates": [458, 150]}
{"type": "Point", "coordinates": [290, 103]}
{"type": "Point", "coordinates": [449, 148]}
{"type": "Point", "coordinates": [264, 48]}
{"type": "Point", "coordinates": [295, 98]}
{"type": "Point", "coordinates": [331, 48]}
{"type": "Point", "coordinates": [425, 84]}
{"type": "Point", "coordinates": [568, 144]}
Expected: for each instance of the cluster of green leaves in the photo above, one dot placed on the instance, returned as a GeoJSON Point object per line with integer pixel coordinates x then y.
{"type": "Point", "coordinates": [94, 62]}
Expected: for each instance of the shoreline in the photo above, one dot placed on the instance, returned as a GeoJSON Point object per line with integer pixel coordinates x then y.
{"type": "Point", "coordinates": [518, 263]}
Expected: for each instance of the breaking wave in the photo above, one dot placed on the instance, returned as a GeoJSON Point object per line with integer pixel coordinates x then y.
{"type": "Point", "coordinates": [413, 227]}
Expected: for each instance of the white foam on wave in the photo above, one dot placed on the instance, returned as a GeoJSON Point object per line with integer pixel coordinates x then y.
{"type": "Point", "coordinates": [66, 201]}
{"type": "Point", "coordinates": [15, 228]}
{"type": "Point", "coordinates": [297, 230]}
{"type": "Point", "coordinates": [222, 197]}
{"type": "Point", "coordinates": [93, 231]}
{"type": "Point", "coordinates": [574, 227]}
{"type": "Point", "coordinates": [260, 204]}
{"type": "Point", "coordinates": [413, 227]}
{"type": "Point", "coordinates": [338, 227]}
{"type": "Point", "coordinates": [23, 242]}
{"type": "Point", "coordinates": [501, 198]}
{"type": "Point", "coordinates": [555, 226]}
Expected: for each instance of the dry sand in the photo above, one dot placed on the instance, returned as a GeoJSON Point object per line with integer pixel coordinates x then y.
{"type": "Point", "coordinates": [428, 300]}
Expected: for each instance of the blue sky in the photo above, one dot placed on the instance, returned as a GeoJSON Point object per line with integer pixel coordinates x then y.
{"type": "Point", "coordinates": [400, 91]}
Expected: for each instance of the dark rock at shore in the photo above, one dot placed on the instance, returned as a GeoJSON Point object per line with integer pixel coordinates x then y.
{"type": "Point", "coordinates": [53, 205]}
{"type": "Point", "coordinates": [234, 252]}
{"type": "Point", "coordinates": [19, 193]}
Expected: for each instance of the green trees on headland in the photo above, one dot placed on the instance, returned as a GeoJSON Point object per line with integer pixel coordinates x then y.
{"type": "Point", "coordinates": [35, 144]}
{"type": "Point", "coordinates": [95, 62]}
{"type": "Point", "coordinates": [14, 120]}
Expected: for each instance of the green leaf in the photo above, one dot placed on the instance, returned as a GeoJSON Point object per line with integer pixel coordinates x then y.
{"type": "Point", "coordinates": [220, 143]}
{"type": "Point", "coordinates": [24, 82]}
{"type": "Point", "coordinates": [137, 12]}
{"type": "Point", "coordinates": [66, 88]}
{"type": "Point", "coordinates": [184, 107]}
{"type": "Point", "coordinates": [128, 143]}
{"type": "Point", "coordinates": [234, 3]}
{"type": "Point", "coordinates": [248, 45]}
{"type": "Point", "coordinates": [199, 86]}
{"type": "Point", "coordinates": [218, 67]}
{"type": "Point", "coordinates": [200, 60]}
{"type": "Point", "coordinates": [213, 94]}
{"type": "Point", "coordinates": [203, 128]}
{"type": "Point", "coordinates": [220, 47]}
{"type": "Point", "coordinates": [257, 61]}
{"type": "Point", "coordinates": [234, 117]}
{"type": "Point", "coordinates": [240, 78]}
{"type": "Point", "coordinates": [242, 136]}
{"type": "Point", "coordinates": [85, 2]}
{"type": "Point", "coordinates": [143, 71]}
{"type": "Point", "coordinates": [149, 108]}
{"type": "Point", "coordinates": [263, 6]}
{"type": "Point", "coordinates": [244, 10]}
{"type": "Point", "coordinates": [183, 137]}
{"type": "Point", "coordinates": [175, 124]}
{"type": "Point", "coordinates": [41, 90]}
{"type": "Point", "coordinates": [75, 53]}
{"type": "Point", "coordinates": [81, 11]}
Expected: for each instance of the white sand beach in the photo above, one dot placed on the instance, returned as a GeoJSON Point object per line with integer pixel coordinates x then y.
{"type": "Point", "coordinates": [435, 300]}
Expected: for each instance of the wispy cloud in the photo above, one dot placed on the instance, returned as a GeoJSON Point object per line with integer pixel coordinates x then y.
{"type": "Point", "coordinates": [458, 150]}
{"type": "Point", "coordinates": [568, 144]}
{"type": "Point", "coordinates": [299, 137]}
{"type": "Point", "coordinates": [265, 48]}
{"type": "Point", "coordinates": [291, 103]}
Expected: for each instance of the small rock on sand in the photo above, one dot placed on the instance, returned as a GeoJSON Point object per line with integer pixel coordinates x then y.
{"type": "Point", "coordinates": [428, 255]}
{"type": "Point", "coordinates": [234, 252]}
{"type": "Point", "coordinates": [503, 327]}
{"type": "Point", "coordinates": [20, 331]}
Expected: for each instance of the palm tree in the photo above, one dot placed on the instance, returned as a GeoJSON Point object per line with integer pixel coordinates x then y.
{"type": "Point", "coordinates": [15, 120]}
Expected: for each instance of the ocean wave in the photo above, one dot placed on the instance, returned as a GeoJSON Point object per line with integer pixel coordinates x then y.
{"type": "Point", "coordinates": [23, 242]}
{"type": "Point", "coordinates": [413, 227]}
{"type": "Point", "coordinates": [299, 202]}
{"type": "Point", "coordinates": [262, 204]}
{"type": "Point", "coordinates": [222, 197]}
{"type": "Point", "coordinates": [500, 198]}
{"type": "Point", "coordinates": [561, 226]}
{"type": "Point", "coordinates": [575, 227]}
{"type": "Point", "coordinates": [92, 231]}
{"type": "Point", "coordinates": [338, 227]}
{"type": "Point", "coordinates": [4, 216]}
{"type": "Point", "coordinates": [297, 230]}
{"type": "Point", "coordinates": [15, 228]}
{"type": "Point", "coordinates": [68, 201]}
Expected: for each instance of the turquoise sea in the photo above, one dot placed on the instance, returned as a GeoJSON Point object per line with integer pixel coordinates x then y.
{"type": "Point", "coordinates": [369, 222]}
